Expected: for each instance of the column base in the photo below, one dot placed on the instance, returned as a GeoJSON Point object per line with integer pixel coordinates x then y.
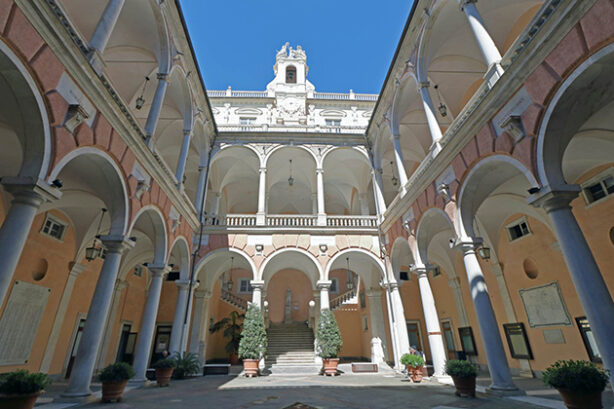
{"type": "Point", "coordinates": [445, 379]}
{"type": "Point", "coordinates": [321, 219]}
{"type": "Point", "coordinates": [493, 74]}
{"type": "Point", "coordinates": [260, 219]}
{"type": "Point", "coordinates": [499, 391]}
{"type": "Point", "coordinates": [76, 395]}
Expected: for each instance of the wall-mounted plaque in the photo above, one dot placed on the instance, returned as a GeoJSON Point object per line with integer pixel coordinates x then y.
{"type": "Point", "coordinates": [545, 306]}
{"type": "Point", "coordinates": [517, 341]}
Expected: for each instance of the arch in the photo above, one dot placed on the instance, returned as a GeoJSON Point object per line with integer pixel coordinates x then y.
{"type": "Point", "coordinates": [33, 131]}
{"type": "Point", "coordinates": [365, 257]}
{"type": "Point", "coordinates": [179, 251]}
{"type": "Point", "coordinates": [347, 173]}
{"type": "Point", "coordinates": [433, 234]}
{"type": "Point", "coordinates": [494, 174]}
{"type": "Point", "coordinates": [400, 255]}
{"type": "Point", "coordinates": [291, 258]}
{"type": "Point", "coordinates": [115, 196]}
{"type": "Point", "coordinates": [284, 147]}
{"type": "Point", "coordinates": [585, 91]}
{"type": "Point", "coordinates": [218, 260]}
{"type": "Point", "coordinates": [158, 233]}
{"type": "Point", "coordinates": [184, 99]}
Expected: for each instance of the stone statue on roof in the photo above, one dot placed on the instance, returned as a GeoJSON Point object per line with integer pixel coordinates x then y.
{"type": "Point", "coordinates": [284, 50]}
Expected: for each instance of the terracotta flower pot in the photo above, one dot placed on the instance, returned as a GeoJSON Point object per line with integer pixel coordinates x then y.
{"type": "Point", "coordinates": [234, 359]}
{"type": "Point", "coordinates": [330, 366]}
{"type": "Point", "coordinates": [574, 400]}
{"type": "Point", "coordinates": [163, 376]}
{"type": "Point", "coordinates": [251, 367]}
{"type": "Point", "coordinates": [19, 401]}
{"type": "Point", "coordinates": [113, 391]}
{"type": "Point", "coordinates": [464, 386]}
{"type": "Point", "coordinates": [415, 373]}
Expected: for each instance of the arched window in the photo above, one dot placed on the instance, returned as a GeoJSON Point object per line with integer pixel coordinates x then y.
{"type": "Point", "coordinates": [290, 74]}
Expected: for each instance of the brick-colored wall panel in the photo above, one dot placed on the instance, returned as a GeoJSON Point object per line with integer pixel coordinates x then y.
{"type": "Point", "coordinates": [598, 24]}
{"type": "Point", "coordinates": [568, 52]}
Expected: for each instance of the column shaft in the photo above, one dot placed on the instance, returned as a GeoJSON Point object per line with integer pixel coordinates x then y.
{"type": "Point", "coordinates": [201, 303]}
{"type": "Point", "coordinates": [183, 156]}
{"type": "Point", "coordinates": [320, 191]}
{"type": "Point", "coordinates": [400, 323]}
{"type": "Point", "coordinates": [202, 183]}
{"type": "Point", "coordinates": [182, 301]}
{"type": "Point", "coordinates": [261, 215]}
{"type": "Point", "coordinates": [105, 25]}
{"type": "Point", "coordinates": [429, 112]}
{"type": "Point", "coordinates": [376, 315]}
{"type": "Point", "coordinates": [398, 158]}
{"type": "Point", "coordinates": [324, 286]}
{"type": "Point", "coordinates": [485, 42]}
{"type": "Point", "coordinates": [156, 108]}
{"type": "Point", "coordinates": [378, 191]}
{"type": "Point", "coordinates": [433, 328]}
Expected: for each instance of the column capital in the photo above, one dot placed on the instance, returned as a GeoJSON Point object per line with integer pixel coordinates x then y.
{"type": "Point", "coordinates": [389, 285]}
{"type": "Point", "coordinates": [467, 244]}
{"type": "Point", "coordinates": [30, 190]}
{"type": "Point", "coordinates": [116, 243]}
{"type": "Point", "coordinates": [463, 3]}
{"type": "Point", "coordinates": [373, 293]}
{"type": "Point", "coordinates": [323, 284]}
{"type": "Point", "coordinates": [423, 84]}
{"type": "Point", "coordinates": [374, 171]}
{"type": "Point", "coordinates": [262, 169]}
{"type": "Point", "coordinates": [421, 269]}
{"type": "Point", "coordinates": [76, 269]}
{"type": "Point", "coordinates": [203, 293]}
{"type": "Point", "coordinates": [162, 76]}
{"type": "Point", "coordinates": [182, 284]}
{"type": "Point", "coordinates": [320, 170]}
{"type": "Point", "coordinates": [159, 270]}
{"type": "Point", "coordinates": [551, 199]}
{"type": "Point", "coordinates": [257, 284]}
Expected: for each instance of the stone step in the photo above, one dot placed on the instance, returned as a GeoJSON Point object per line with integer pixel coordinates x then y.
{"type": "Point", "coordinates": [298, 370]}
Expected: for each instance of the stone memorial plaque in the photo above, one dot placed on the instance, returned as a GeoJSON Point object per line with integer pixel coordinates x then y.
{"type": "Point", "coordinates": [545, 306]}
{"type": "Point", "coordinates": [20, 320]}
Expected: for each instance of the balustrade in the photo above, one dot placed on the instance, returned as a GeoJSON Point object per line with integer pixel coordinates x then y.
{"type": "Point", "coordinates": [292, 220]}
{"type": "Point", "coordinates": [342, 299]}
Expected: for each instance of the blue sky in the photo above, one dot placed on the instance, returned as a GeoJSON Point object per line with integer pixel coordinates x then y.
{"type": "Point", "coordinates": [349, 43]}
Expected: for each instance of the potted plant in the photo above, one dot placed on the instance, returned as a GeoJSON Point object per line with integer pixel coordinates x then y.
{"type": "Point", "coordinates": [20, 389]}
{"type": "Point", "coordinates": [164, 370]}
{"type": "Point", "coordinates": [580, 383]}
{"type": "Point", "coordinates": [253, 342]}
{"type": "Point", "coordinates": [413, 363]}
{"type": "Point", "coordinates": [463, 374]}
{"type": "Point", "coordinates": [186, 364]}
{"type": "Point", "coordinates": [329, 342]}
{"type": "Point", "coordinates": [114, 378]}
{"type": "Point", "coordinates": [232, 327]}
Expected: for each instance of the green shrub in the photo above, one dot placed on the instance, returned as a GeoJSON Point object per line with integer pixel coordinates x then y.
{"type": "Point", "coordinates": [22, 382]}
{"type": "Point", "coordinates": [185, 365]}
{"type": "Point", "coordinates": [460, 369]}
{"type": "Point", "coordinates": [232, 326]}
{"type": "Point", "coordinates": [253, 338]}
{"type": "Point", "coordinates": [577, 376]}
{"type": "Point", "coordinates": [164, 363]}
{"type": "Point", "coordinates": [117, 372]}
{"type": "Point", "coordinates": [328, 335]}
{"type": "Point", "coordinates": [412, 360]}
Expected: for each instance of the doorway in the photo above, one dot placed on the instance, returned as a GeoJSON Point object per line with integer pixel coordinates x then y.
{"type": "Point", "coordinates": [75, 347]}
{"type": "Point", "coordinates": [162, 342]}
{"type": "Point", "coordinates": [127, 343]}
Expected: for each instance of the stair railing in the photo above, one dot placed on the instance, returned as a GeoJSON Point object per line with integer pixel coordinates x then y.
{"type": "Point", "coordinates": [234, 300]}
{"type": "Point", "coordinates": [341, 299]}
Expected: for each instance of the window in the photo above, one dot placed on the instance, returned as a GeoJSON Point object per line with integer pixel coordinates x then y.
{"type": "Point", "coordinates": [518, 229]}
{"type": "Point", "coordinates": [448, 337]}
{"type": "Point", "coordinates": [138, 270]}
{"type": "Point", "coordinates": [334, 286]}
{"type": "Point", "coordinates": [467, 341]}
{"type": "Point", "coordinates": [517, 341]}
{"type": "Point", "coordinates": [54, 228]}
{"type": "Point", "coordinates": [333, 122]}
{"type": "Point", "coordinates": [598, 189]}
{"type": "Point", "coordinates": [436, 271]}
{"type": "Point", "coordinates": [290, 75]}
{"type": "Point", "coordinates": [404, 275]}
{"type": "Point", "coordinates": [245, 286]}
{"type": "Point", "coordinates": [413, 333]}
{"type": "Point", "coordinates": [589, 339]}
{"type": "Point", "coordinates": [365, 323]}
{"type": "Point", "coordinates": [247, 120]}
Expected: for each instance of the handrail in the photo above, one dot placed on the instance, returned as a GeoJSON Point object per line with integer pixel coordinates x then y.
{"type": "Point", "coordinates": [234, 299]}
{"type": "Point", "coordinates": [292, 220]}
{"type": "Point", "coordinates": [341, 299]}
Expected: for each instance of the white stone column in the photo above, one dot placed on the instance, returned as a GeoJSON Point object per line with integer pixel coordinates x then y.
{"type": "Point", "coordinates": [378, 191]}
{"type": "Point", "coordinates": [376, 315]}
{"type": "Point", "coordinates": [182, 302]}
{"type": "Point", "coordinates": [103, 32]}
{"type": "Point", "coordinates": [454, 284]}
{"type": "Point", "coordinates": [148, 322]}
{"type": "Point", "coordinates": [394, 339]}
{"type": "Point", "coordinates": [399, 320]}
{"type": "Point", "coordinates": [587, 279]}
{"type": "Point", "coordinates": [320, 192]}
{"type": "Point", "coordinates": [431, 118]}
{"type": "Point", "coordinates": [199, 323]}
{"type": "Point", "coordinates": [60, 314]}
{"type": "Point", "coordinates": [324, 286]}
{"type": "Point", "coordinates": [257, 287]}
{"type": "Point", "coordinates": [83, 367]}
{"type": "Point", "coordinates": [188, 320]}
{"type": "Point", "coordinates": [183, 156]}
{"type": "Point", "coordinates": [314, 204]}
{"type": "Point", "coordinates": [489, 329]}
{"type": "Point", "coordinates": [261, 215]}
{"type": "Point", "coordinates": [431, 318]}
{"type": "Point", "coordinates": [156, 108]}
{"type": "Point", "coordinates": [202, 183]}
{"type": "Point", "coordinates": [28, 195]}
{"type": "Point", "coordinates": [398, 159]}
{"type": "Point", "coordinates": [487, 46]}
{"type": "Point", "coordinates": [364, 203]}
{"type": "Point", "coordinates": [103, 351]}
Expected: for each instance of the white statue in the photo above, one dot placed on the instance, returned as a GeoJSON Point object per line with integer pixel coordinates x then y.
{"type": "Point", "coordinates": [377, 351]}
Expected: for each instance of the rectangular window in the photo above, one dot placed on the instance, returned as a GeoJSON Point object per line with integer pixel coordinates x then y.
{"type": "Point", "coordinates": [518, 229]}
{"type": "Point", "coordinates": [413, 333]}
{"type": "Point", "coordinates": [598, 189]}
{"type": "Point", "coordinates": [334, 286]}
{"type": "Point", "coordinates": [448, 337]}
{"type": "Point", "coordinates": [404, 275]}
{"type": "Point", "coordinates": [54, 228]}
{"type": "Point", "coordinates": [589, 339]}
{"type": "Point", "coordinates": [247, 121]}
{"type": "Point", "coordinates": [138, 270]}
{"type": "Point", "coordinates": [518, 341]}
{"type": "Point", "coordinates": [245, 286]}
{"type": "Point", "coordinates": [467, 341]}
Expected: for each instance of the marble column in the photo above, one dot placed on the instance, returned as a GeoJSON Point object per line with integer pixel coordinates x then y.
{"type": "Point", "coordinates": [188, 320]}
{"type": "Point", "coordinates": [28, 195]}
{"type": "Point", "coordinates": [155, 109]}
{"type": "Point", "coordinates": [376, 315]}
{"type": "Point", "coordinates": [148, 322]}
{"type": "Point", "coordinates": [590, 286]}
{"type": "Point", "coordinates": [378, 191]}
{"type": "Point", "coordinates": [454, 284]}
{"type": "Point", "coordinates": [60, 314]}
{"type": "Point", "coordinates": [399, 320]}
{"type": "Point", "coordinates": [320, 191]}
{"type": "Point", "coordinates": [202, 185]}
{"type": "Point", "coordinates": [261, 215]}
{"type": "Point", "coordinates": [364, 204]}
{"type": "Point", "coordinates": [103, 351]}
{"type": "Point", "coordinates": [183, 156]}
{"type": "Point", "coordinates": [178, 321]}
{"type": "Point", "coordinates": [489, 329]}
{"type": "Point", "coordinates": [103, 32]}
{"type": "Point", "coordinates": [431, 117]}
{"type": "Point", "coordinates": [200, 323]}
{"type": "Point", "coordinates": [324, 287]}
{"type": "Point", "coordinates": [257, 287]}
{"type": "Point", "coordinates": [398, 159]}
{"type": "Point", "coordinates": [83, 367]}
{"type": "Point", "coordinates": [431, 318]}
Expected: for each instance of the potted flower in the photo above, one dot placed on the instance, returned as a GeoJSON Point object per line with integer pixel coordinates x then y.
{"type": "Point", "coordinates": [114, 378]}
{"type": "Point", "coordinates": [186, 364]}
{"type": "Point", "coordinates": [232, 327]}
{"type": "Point", "coordinates": [413, 363]}
{"type": "Point", "coordinates": [20, 389]}
{"type": "Point", "coordinates": [463, 374]}
{"type": "Point", "coordinates": [253, 340]}
{"type": "Point", "coordinates": [580, 383]}
{"type": "Point", "coordinates": [329, 342]}
{"type": "Point", "coordinates": [164, 370]}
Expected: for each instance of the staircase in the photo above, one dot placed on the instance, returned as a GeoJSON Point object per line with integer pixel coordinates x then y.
{"type": "Point", "coordinates": [290, 350]}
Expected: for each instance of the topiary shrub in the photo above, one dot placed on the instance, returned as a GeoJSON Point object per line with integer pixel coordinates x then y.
{"type": "Point", "coordinates": [253, 338]}
{"type": "Point", "coordinates": [164, 363]}
{"type": "Point", "coordinates": [117, 372]}
{"type": "Point", "coordinates": [185, 365]}
{"type": "Point", "coordinates": [461, 369]}
{"type": "Point", "coordinates": [577, 376]}
{"type": "Point", "coordinates": [22, 382]}
{"type": "Point", "coordinates": [328, 335]}
{"type": "Point", "coordinates": [412, 360]}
